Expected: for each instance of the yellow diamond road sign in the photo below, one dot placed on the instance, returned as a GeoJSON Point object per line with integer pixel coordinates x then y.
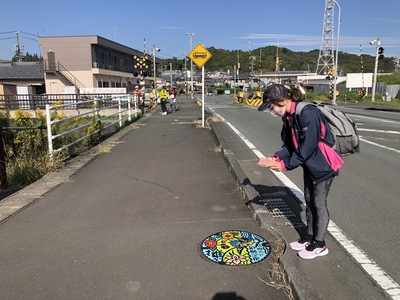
{"type": "Point", "coordinates": [200, 55]}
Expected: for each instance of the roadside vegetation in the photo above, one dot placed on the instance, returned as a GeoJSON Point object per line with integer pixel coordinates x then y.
{"type": "Point", "coordinates": [26, 149]}
{"type": "Point", "coordinates": [223, 60]}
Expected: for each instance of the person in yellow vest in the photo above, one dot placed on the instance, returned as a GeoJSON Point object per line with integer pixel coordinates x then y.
{"type": "Point", "coordinates": [163, 95]}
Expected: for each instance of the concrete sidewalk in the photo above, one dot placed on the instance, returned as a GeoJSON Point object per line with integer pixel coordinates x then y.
{"type": "Point", "coordinates": [126, 219]}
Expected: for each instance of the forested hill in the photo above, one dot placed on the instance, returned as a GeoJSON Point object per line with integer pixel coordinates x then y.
{"type": "Point", "coordinates": [289, 60]}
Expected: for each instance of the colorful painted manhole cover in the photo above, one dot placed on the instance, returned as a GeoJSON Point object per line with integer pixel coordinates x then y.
{"type": "Point", "coordinates": [235, 248]}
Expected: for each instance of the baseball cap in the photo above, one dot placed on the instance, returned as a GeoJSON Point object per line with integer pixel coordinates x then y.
{"type": "Point", "coordinates": [273, 92]}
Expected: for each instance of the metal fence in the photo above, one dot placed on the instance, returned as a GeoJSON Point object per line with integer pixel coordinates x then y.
{"type": "Point", "coordinates": [119, 108]}
{"type": "Point", "coordinates": [381, 88]}
{"type": "Point", "coordinates": [32, 102]}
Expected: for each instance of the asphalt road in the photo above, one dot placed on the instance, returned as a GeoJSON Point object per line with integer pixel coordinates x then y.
{"type": "Point", "coordinates": [364, 198]}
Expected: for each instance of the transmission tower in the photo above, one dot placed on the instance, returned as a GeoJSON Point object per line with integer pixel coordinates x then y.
{"type": "Point", "coordinates": [18, 48]}
{"type": "Point", "coordinates": [326, 59]}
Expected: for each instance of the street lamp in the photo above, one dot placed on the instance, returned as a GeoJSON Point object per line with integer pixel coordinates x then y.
{"type": "Point", "coordinates": [154, 69]}
{"type": "Point", "coordinates": [337, 54]}
{"type": "Point", "coordinates": [378, 43]}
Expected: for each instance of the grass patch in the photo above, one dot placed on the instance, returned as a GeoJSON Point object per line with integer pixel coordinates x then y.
{"type": "Point", "coordinates": [277, 277]}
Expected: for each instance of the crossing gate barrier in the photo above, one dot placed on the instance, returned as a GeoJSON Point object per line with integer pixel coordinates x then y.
{"type": "Point", "coordinates": [254, 99]}
{"type": "Point", "coordinates": [239, 98]}
{"type": "Point", "coordinates": [253, 102]}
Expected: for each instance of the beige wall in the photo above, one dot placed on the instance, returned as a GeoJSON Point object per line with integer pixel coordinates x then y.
{"type": "Point", "coordinates": [76, 54]}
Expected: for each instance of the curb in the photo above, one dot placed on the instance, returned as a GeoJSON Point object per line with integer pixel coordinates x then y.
{"type": "Point", "coordinates": [260, 213]}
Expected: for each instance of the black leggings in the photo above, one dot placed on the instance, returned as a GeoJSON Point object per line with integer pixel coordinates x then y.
{"type": "Point", "coordinates": [317, 213]}
{"type": "Point", "coordinates": [163, 106]}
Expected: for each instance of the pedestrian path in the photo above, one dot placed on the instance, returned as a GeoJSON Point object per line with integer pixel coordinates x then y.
{"type": "Point", "coordinates": [126, 221]}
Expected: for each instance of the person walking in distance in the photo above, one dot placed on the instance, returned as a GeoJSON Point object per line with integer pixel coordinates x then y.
{"type": "Point", "coordinates": [163, 94]}
{"type": "Point", "coordinates": [306, 143]}
{"type": "Point", "coordinates": [172, 98]}
{"type": "Point", "coordinates": [137, 96]}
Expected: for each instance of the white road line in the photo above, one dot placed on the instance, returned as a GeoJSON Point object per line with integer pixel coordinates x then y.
{"type": "Point", "coordinates": [379, 145]}
{"type": "Point", "coordinates": [372, 118]}
{"type": "Point", "coordinates": [378, 275]}
{"type": "Point", "coordinates": [379, 131]}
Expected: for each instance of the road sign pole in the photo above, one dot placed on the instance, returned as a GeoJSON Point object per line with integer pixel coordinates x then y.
{"type": "Point", "coordinates": [202, 95]}
{"type": "Point", "coordinates": [200, 55]}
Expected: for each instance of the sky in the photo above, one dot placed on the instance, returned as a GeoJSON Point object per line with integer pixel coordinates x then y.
{"type": "Point", "coordinates": [175, 25]}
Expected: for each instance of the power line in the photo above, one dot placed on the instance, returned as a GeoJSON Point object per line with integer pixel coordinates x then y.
{"type": "Point", "coordinates": [6, 32]}
{"type": "Point", "coordinates": [29, 33]}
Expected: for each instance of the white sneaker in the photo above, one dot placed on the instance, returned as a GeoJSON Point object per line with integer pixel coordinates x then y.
{"type": "Point", "coordinates": [312, 251]}
{"type": "Point", "coordinates": [299, 245]}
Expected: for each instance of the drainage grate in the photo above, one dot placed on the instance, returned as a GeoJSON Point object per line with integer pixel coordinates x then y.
{"type": "Point", "coordinates": [278, 208]}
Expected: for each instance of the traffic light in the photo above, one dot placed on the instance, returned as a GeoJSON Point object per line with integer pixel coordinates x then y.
{"type": "Point", "coordinates": [380, 52]}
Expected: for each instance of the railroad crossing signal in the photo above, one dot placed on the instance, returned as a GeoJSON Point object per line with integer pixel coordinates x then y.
{"type": "Point", "coordinates": [200, 55]}
{"type": "Point", "coordinates": [141, 63]}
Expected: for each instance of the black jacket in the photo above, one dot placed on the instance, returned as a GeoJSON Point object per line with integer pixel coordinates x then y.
{"type": "Point", "coordinates": [305, 143]}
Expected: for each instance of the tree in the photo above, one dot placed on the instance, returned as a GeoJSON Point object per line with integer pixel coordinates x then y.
{"type": "Point", "coordinates": [223, 60]}
{"type": "Point", "coordinates": [27, 57]}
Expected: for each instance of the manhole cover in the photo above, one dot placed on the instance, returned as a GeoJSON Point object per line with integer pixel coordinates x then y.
{"type": "Point", "coordinates": [235, 248]}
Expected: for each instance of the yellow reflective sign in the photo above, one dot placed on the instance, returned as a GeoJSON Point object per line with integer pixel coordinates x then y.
{"type": "Point", "coordinates": [200, 55]}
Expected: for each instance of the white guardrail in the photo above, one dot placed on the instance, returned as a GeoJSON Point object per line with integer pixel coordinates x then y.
{"type": "Point", "coordinates": [124, 106]}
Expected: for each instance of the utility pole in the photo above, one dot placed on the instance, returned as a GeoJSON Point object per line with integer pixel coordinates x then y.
{"type": "Point", "coordinates": [378, 44]}
{"type": "Point", "coordinates": [250, 68]}
{"type": "Point", "coordinates": [154, 70]}
{"type": "Point", "coordinates": [362, 75]}
{"type": "Point", "coordinates": [259, 72]}
{"type": "Point", "coordinates": [170, 69]}
{"type": "Point", "coordinates": [238, 69]}
{"type": "Point", "coordinates": [234, 81]}
{"type": "Point", "coordinates": [277, 61]}
{"type": "Point", "coordinates": [145, 57]}
{"type": "Point", "coordinates": [186, 91]}
{"type": "Point", "coordinates": [191, 34]}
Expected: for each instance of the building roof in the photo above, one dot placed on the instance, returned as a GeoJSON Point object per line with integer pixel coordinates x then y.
{"type": "Point", "coordinates": [23, 71]}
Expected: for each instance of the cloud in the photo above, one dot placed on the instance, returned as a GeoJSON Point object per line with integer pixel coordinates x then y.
{"type": "Point", "coordinates": [171, 27]}
{"type": "Point", "coordinates": [386, 20]}
{"type": "Point", "coordinates": [307, 41]}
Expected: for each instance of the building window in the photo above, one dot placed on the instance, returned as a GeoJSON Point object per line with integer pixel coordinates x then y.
{"type": "Point", "coordinates": [106, 84]}
{"type": "Point", "coordinates": [99, 84]}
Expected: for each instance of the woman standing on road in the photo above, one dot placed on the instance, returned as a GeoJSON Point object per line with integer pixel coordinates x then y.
{"type": "Point", "coordinates": [163, 95]}
{"type": "Point", "coordinates": [305, 143]}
